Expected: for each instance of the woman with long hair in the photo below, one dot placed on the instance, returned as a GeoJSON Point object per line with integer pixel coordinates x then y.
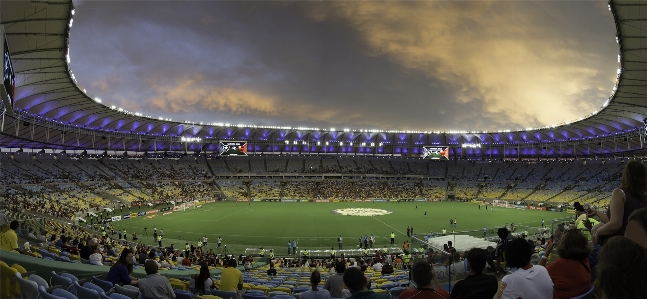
{"type": "Point", "coordinates": [202, 282]}
{"type": "Point", "coordinates": [571, 273]}
{"type": "Point", "coordinates": [630, 196]}
{"type": "Point", "coordinates": [120, 272]}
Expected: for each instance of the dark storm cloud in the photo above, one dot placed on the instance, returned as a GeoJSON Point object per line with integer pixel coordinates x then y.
{"type": "Point", "coordinates": [389, 65]}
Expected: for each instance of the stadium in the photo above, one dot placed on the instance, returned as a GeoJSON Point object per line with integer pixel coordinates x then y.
{"type": "Point", "coordinates": [73, 166]}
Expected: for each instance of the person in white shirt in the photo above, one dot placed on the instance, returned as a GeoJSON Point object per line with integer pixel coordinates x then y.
{"type": "Point", "coordinates": [315, 292]}
{"type": "Point", "coordinates": [377, 267]}
{"type": "Point", "coordinates": [96, 258]}
{"type": "Point", "coordinates": [527, 281]}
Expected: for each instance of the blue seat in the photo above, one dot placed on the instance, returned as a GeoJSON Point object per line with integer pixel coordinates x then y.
{"type": "Point", "coordinates": [45, 295]}
{"type": "Point", "coordinates": [224, 294]}
{"type": "Point", "coordinates": [179, 294]}
{"type": "Point", "coordinates": [254, 291]}
{"type": "Point", "coordinates": [86, 293]}
{"type": "Point", "coordinates": [396, 291]}
{"type": "Point", "coordinates": [588, 295]}
{"type": "Point", "coordinates": [105, 285]}
{"type": "Point", "coordinates": [301, 289]}
{"type": "Point", "coordinates": [118, 296]}
{"type": "Point", "coordinates": [64, 294]}
{"type": "Point", "coordinates": [253, 296]}
{"type": "Point", "coordinates": [447, 287]}
{"type": "Point", "coordinates": [283, 297]}
{"type": "Point", "coordinates": [63, 281]}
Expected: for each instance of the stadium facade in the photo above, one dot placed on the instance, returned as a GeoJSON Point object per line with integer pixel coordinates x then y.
{"type": "Point", "coordinates": [49, 110]}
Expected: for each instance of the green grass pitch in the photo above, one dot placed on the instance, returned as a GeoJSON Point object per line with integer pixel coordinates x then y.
{"type": "Point", "coordinates": [272, 224]}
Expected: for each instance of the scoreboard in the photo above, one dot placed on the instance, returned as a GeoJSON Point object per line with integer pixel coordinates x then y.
{"type": "Point", "coordinates": [435, 152]}
{"type": "Point", "coordinates": [233, 148]}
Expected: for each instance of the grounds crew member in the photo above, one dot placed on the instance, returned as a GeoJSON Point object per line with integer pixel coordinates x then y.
{"type": "Point", "coordinates": [406, 258]}
{"type": "Point", "coordinates": [332, 252]}
{"type": "Point", "coordinates": [262, 253]}
{"type": "Point", "coordinates": [392, 238]}
{"type": "Point", "coordinates": [271, 254]}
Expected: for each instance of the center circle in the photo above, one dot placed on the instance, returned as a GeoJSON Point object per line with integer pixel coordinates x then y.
{"type": "Point", "coordinates": [361, 212]}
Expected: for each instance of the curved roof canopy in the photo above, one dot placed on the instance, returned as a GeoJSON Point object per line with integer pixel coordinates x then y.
{"type": "Point", "coordinates": [48, 96]}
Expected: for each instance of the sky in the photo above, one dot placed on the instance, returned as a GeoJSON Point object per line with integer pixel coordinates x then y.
{"type": "Point", "coordinates": [387, 65]}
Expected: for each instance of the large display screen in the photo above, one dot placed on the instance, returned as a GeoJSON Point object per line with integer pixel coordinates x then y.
{"type": "Point", "coordinates": [435, 152]}
{"type": "Point", "coordinates": [9, 78]}
{"type": "Point", "coordinates": [233, 148]}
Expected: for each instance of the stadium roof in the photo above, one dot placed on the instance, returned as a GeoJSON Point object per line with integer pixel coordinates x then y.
{"type": "Point", "coordinates": [49, 100]}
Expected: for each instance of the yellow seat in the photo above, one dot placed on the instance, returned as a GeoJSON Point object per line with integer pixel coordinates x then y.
{"type": "Point", "coordinates": [178, 285]}
{"type": "Point", "coordinates": [379, 291]}
{"type": "Point", "coordinates": [262, 288]}
{"type": "Point", "coordinates": [8, 289]}
{"type": "Point", "coordinates": [74, 257]}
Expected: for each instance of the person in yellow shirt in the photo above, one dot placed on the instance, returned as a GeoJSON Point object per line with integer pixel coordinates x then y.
{"type": "Point", "coordinates": [231, 279]}
{"type": "Point", "coordinates": [9, 239]}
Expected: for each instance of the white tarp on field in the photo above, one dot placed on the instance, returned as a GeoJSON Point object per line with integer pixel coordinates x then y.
{"type": "Point", "coordinates": [461, 242]}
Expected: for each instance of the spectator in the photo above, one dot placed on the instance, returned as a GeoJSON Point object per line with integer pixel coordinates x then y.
{"type": "Point", "coordinates": [120, 272]}
{"type": "Point", "coordinates": [334, 282]}
{"type": "Point", "coordinates": [477, 284]}
{"type": "Point", "coordinates": [637, 227]}
{"type": "Point", "coordinates": [155, 285]}
{"type": "Point", "coordinates": [571, 273]}
{"type": "Point", "coordinates": [96, 258]}
{"type": "Point", "coordinates": [527, 281]}
{"type": "Point", "coordinates": [621, 269]}
{"type": "Point", "coordinates": [377, 267]}
{"type": "Point", "coordinates": [272, 271]}
{"type": "Point", "coordinates": [315, 292]}
{"type": "Point", "coordinates": [202, 282]}
{"type": "Point", "coordinates": [387, 268]}
{"type": "Point", "coordinates": [630, 196]}
{"type": "Point", "coordinates": [231, 278]}
{"type": "Point", "coordinates": [9, 239]}
{"type": "Point", "coordinates": [358, 284]}
{"type": "Point", "coordinates": [428, 287]}
{"type": "Point", "coordinates": [88, 249]}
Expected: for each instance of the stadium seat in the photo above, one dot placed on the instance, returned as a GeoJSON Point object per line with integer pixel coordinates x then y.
{"type": "Point", "coordinates": [65, 282]}
{"type": "Point", "coordinates": [105, 285]}
{"type": "Point", "coordinates": [183, 294]}
{"type": "Point", "coordinates": [128, 291]}
{"type": "Point", "coordinates": [396, 291]}
{"type": "Point", "coordinates": [45, 295]}
{"type": "Point", "coordinates": [588, 295]}
{"type": "Point", "coordinates": [64, 294]}
{"type": "Point", "coordinates": [7, 288]}
{"type": "Point", "coordinates": [224, 294]}
{"type": "Point", "coordinates": [28, 289]}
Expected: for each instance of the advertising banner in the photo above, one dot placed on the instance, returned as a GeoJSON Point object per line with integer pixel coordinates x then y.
{"type": "Point", "coordinates": [151, 212]}
{"type": "Point", "coordinates": [127, 216]}
{"type": "Point", "coordinates": [287, 200]}
{"type": "Point", "coordinates": [167, 213]}
{"type": "Point", "coordinates": [141, 214]}
{"type": "Point", "coordinates": [536, 208]}
{"type": "Point", "coordinates": [519, 207]}
{"type": "Point", "coordinates": [107, 220]}
{"type": "Point", "coordinates": [116, 218]}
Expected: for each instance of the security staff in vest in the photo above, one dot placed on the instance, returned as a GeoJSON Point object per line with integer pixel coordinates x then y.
{"type": "Point", "coordinates": [332, 252]}
{"type": "Point", "coordinates": [262, 253]}
{"type": "Point", "coordinates": [406, 258]}
{"type": "Point", "coordinates": [392, 238]}
{"type": "Point", "coordinates": [271, 254]}
{"type": "Point", "coordinates": [200, 244]}
{"type": "Point", "coordinates": [187, 250]}
{"type": "Point", "coordinates": [159, 241]}
{"type": "Point", "coordinates": [365, 253]}
{"type": "Point", "coordinates": [444, 232]}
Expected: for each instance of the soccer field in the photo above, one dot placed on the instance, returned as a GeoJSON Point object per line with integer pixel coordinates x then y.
{"type": "Point", "coordinates": [314, 225]}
